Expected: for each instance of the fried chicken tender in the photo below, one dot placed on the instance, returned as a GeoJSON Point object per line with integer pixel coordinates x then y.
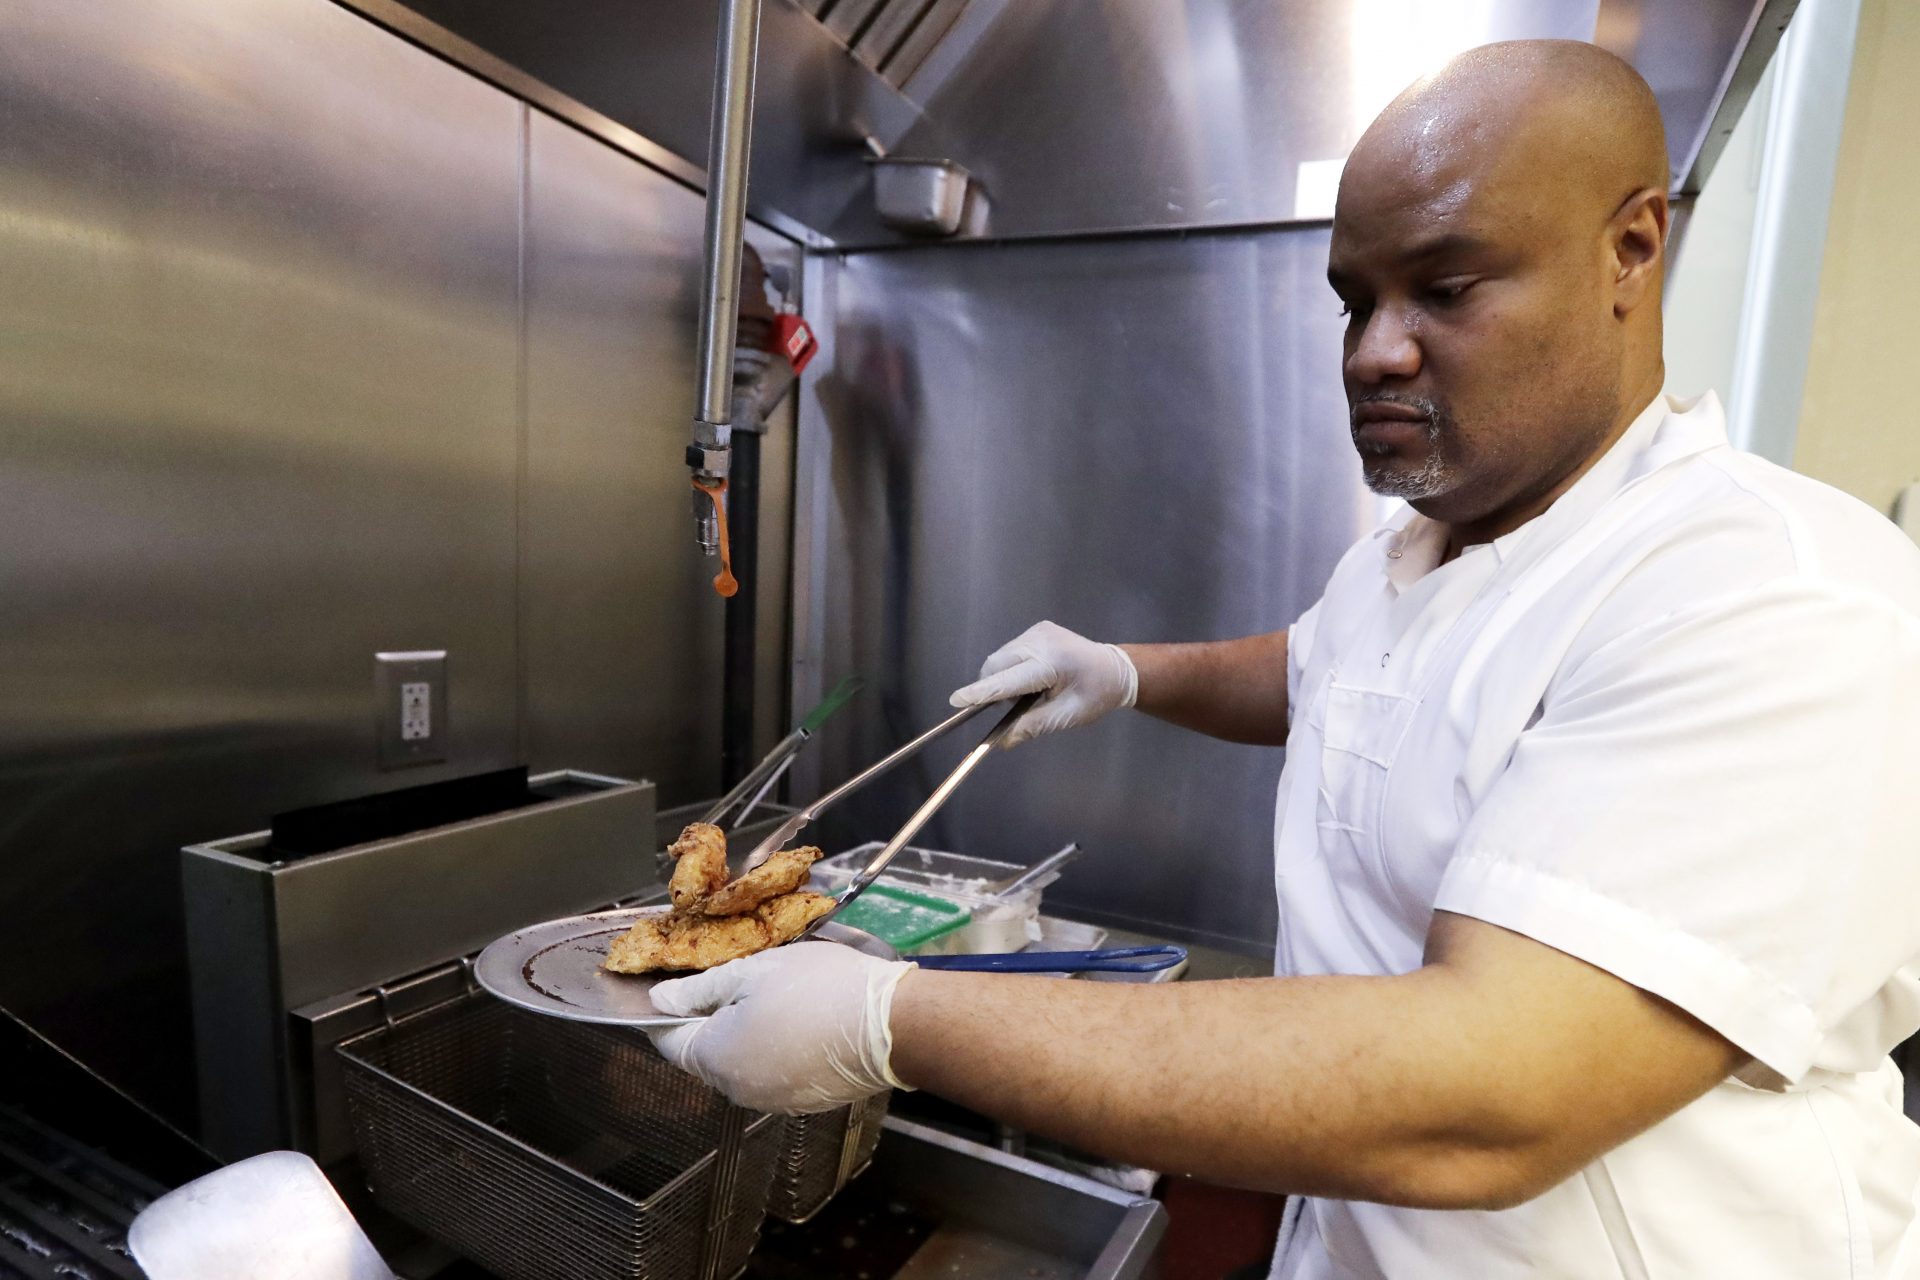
{"type": "Point", "coordinates": [700, 864]}
{"type": "Point", "coordinates": [787, 916]}
{"type": "Point", "coordinates": [712, 921]}
{"type": "Point", "coordinates": [685, 942]}
{"type": "Point", "coordinates": [701, 942]}
{"type": "Point", "coordinates": [780, 874]}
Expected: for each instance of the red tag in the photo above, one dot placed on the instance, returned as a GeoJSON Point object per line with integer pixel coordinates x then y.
{"type": "Point", "coordinates": [794, 340]}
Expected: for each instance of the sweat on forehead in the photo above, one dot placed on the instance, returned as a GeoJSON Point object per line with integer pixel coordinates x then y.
{"type": "Point", "coordinates": [1561, 121]}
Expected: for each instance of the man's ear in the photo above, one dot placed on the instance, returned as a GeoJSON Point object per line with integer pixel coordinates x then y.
{"type": "Point", "coordinates": [1637, 239]}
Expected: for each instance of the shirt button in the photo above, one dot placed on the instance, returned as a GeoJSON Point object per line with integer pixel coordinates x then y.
{"type": "Point", "coordinates": [1394, 554]}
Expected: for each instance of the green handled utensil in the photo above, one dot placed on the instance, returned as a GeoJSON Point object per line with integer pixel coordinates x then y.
{"type": "Point", "coordinates": [752, 789]}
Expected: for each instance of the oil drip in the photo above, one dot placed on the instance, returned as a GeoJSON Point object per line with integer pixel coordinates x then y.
{"type": "Point", "coordinates": [723, 582]}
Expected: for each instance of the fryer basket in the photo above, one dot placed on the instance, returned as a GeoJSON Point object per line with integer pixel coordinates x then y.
{"type": "Point", "coordinates": [542, 1148]}
{"type": "Point", "coordinates": [820, 1154]}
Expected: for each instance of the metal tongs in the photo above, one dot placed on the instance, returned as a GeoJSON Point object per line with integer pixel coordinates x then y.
{"type": "Point", "coordinates": [783, 834]}
{"type": "Point", "coordinates": [762, 778]}
{"type": "Point", "coordinates": [869, 873]}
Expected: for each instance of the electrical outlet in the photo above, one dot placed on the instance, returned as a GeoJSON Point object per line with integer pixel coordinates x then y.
{"type": "Point", "coordinates": [410, 700]}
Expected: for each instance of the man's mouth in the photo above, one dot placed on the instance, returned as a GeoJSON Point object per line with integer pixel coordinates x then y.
{"type": "Point", "coordinates": [1386, 435]}
{"type": "Point", "coordinates": [1371, 411]}
{"type": "Point", "coordinates": [1383, 427]}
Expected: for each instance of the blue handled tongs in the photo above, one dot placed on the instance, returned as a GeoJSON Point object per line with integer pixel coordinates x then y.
{"type": "Point", "coordinates": [1112, 960]}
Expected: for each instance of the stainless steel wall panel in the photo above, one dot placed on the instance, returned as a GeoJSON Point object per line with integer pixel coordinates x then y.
{"type": "Point", "coordinates": [1703, 59]}
{"type": "Point", "coordinates": [299, 360]}
{"type": "Point", "coordinates": [623, 628]}
{"type": "Point", "coordinates": [1139, 439]}
{"type": "Point", "coordinates": [649, 66]}
{"type": "Point", "coordinates": [258, 420]}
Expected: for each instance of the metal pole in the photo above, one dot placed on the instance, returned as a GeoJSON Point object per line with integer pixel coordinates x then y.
{"type": "Point", "coordinates": [727, 152]}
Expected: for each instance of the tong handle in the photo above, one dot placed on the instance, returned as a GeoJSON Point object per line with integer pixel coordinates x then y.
{"type": "Point", "coordinates": [968, 763]}
{"type": "Point", "coordinates": [762, 776]}
{"type": "Point", "coordinates": [1112, 960]}
{"type": "Point", "coordinates": [787, 830]}
{"type": "Point", "coordinates": [777, 759]}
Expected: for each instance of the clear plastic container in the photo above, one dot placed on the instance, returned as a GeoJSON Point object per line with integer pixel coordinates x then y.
{"type": "Point", "coordinates": [998, 924]}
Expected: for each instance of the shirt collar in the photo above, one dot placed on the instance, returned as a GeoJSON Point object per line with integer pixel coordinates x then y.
{"type": "Point", "coordinates": [1666, 430]}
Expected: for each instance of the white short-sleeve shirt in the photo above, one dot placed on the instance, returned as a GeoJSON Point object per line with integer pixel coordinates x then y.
{"type": "Point", "coordinates": [1671, 727]}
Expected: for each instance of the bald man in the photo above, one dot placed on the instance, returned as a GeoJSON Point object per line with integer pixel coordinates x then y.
{"type": "Point", "coordinates": [1595, 852]}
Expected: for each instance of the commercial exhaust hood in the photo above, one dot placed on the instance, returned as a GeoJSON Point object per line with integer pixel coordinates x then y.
{"type": "Point", "coordinates": [1078, 117]}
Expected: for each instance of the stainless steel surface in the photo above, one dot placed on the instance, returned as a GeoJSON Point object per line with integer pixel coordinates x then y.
{"type": "Point", "coordinates": [258, 421]}
{"type": "Point", "coordinates": [1217, 113]}
{"type": "Point", "coordinates": [729, 143]}
{"type": "Point", "coordinates": [1048, 866]}
{"type": "Point", "coordinates": [1015, 1216]}
{"type": "Point", "coordinates": [318, 346]}
{"type": "Point", "coordinates": [1068, 935]}
{"type": "Point", "coordinates": [1703, 59]}
{"type": "Point", "coordinates": [1129, 115]}
{"type": "Point", "coordinates": [621, 628]}
{"type": "Point", "coordinates": [418, 29]}
{"type": "Point", "coordinates": [1144, 440]}
{"type": "Point", "coordinates": [554, 968]}
{"type": "Point", "coordinates": [267, 937]}
{"type": "Point", "coordinates": [924, 197]}
{"type": "Point", "coordinates": [865, 877]}
{"type": "Point", "coordinates": [648, 68]}
{"type": "Point", "coordinates": [539, 1147]}
{"type": "Point", "coordinates": [779, 837]}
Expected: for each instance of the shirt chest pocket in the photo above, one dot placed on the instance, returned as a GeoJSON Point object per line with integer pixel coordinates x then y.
{"type": "Point", "coordinates": [1362, 732]}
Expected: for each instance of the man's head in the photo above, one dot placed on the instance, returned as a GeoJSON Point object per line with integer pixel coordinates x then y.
{"type": "Point", "coordinates": [1499, 243]}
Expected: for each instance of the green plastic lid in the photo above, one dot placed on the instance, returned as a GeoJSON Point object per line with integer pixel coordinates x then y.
{"type": "Point", "coordinates": [902, 919]}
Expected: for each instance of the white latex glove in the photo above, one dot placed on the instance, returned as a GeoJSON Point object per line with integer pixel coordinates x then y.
{"type": "Point", "coordinates": [1083, 680]}
{"type": "Point", "coordinates": [797, 1029]}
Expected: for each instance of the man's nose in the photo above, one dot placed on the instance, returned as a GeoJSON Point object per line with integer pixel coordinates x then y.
{"type": "Point", "coordinates": [1385, 351]}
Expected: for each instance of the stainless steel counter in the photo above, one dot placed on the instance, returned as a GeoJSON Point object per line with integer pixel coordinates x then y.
{"type": "Point", "coordinates": [934, 1204]}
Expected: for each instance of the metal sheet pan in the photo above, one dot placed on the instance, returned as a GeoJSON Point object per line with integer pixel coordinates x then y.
{"type": "Point", "coordinates": [554, 968]}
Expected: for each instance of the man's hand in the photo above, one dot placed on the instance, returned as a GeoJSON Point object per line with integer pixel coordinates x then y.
{"type": "Point", "coordinates": [797, 1029]}
{"type": "Point", "coordinates": [1082, 679]}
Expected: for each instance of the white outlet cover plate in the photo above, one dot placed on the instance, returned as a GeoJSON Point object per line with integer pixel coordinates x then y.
{"type": "Point", "coordinates": [410, 707]}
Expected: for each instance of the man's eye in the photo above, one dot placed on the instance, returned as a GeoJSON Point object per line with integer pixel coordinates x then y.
{"type": "Point", "coordinates": [1449, 290]}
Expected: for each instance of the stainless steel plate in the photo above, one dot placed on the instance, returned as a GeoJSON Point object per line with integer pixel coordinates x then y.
{"type": "Point", "coordinates": [554, 968]}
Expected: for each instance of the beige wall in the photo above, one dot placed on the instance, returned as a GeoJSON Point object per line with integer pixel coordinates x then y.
{"type": "Point", "coordinates": [1860, 422]}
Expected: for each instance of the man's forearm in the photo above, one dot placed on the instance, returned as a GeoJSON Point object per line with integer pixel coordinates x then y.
{"type": "Point", "coordinates": [1301, 1086]}
{"type": "Point", "coordinates": [1498, 1069]}
{"type": "Point", "coordinates": [1231, 689]}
